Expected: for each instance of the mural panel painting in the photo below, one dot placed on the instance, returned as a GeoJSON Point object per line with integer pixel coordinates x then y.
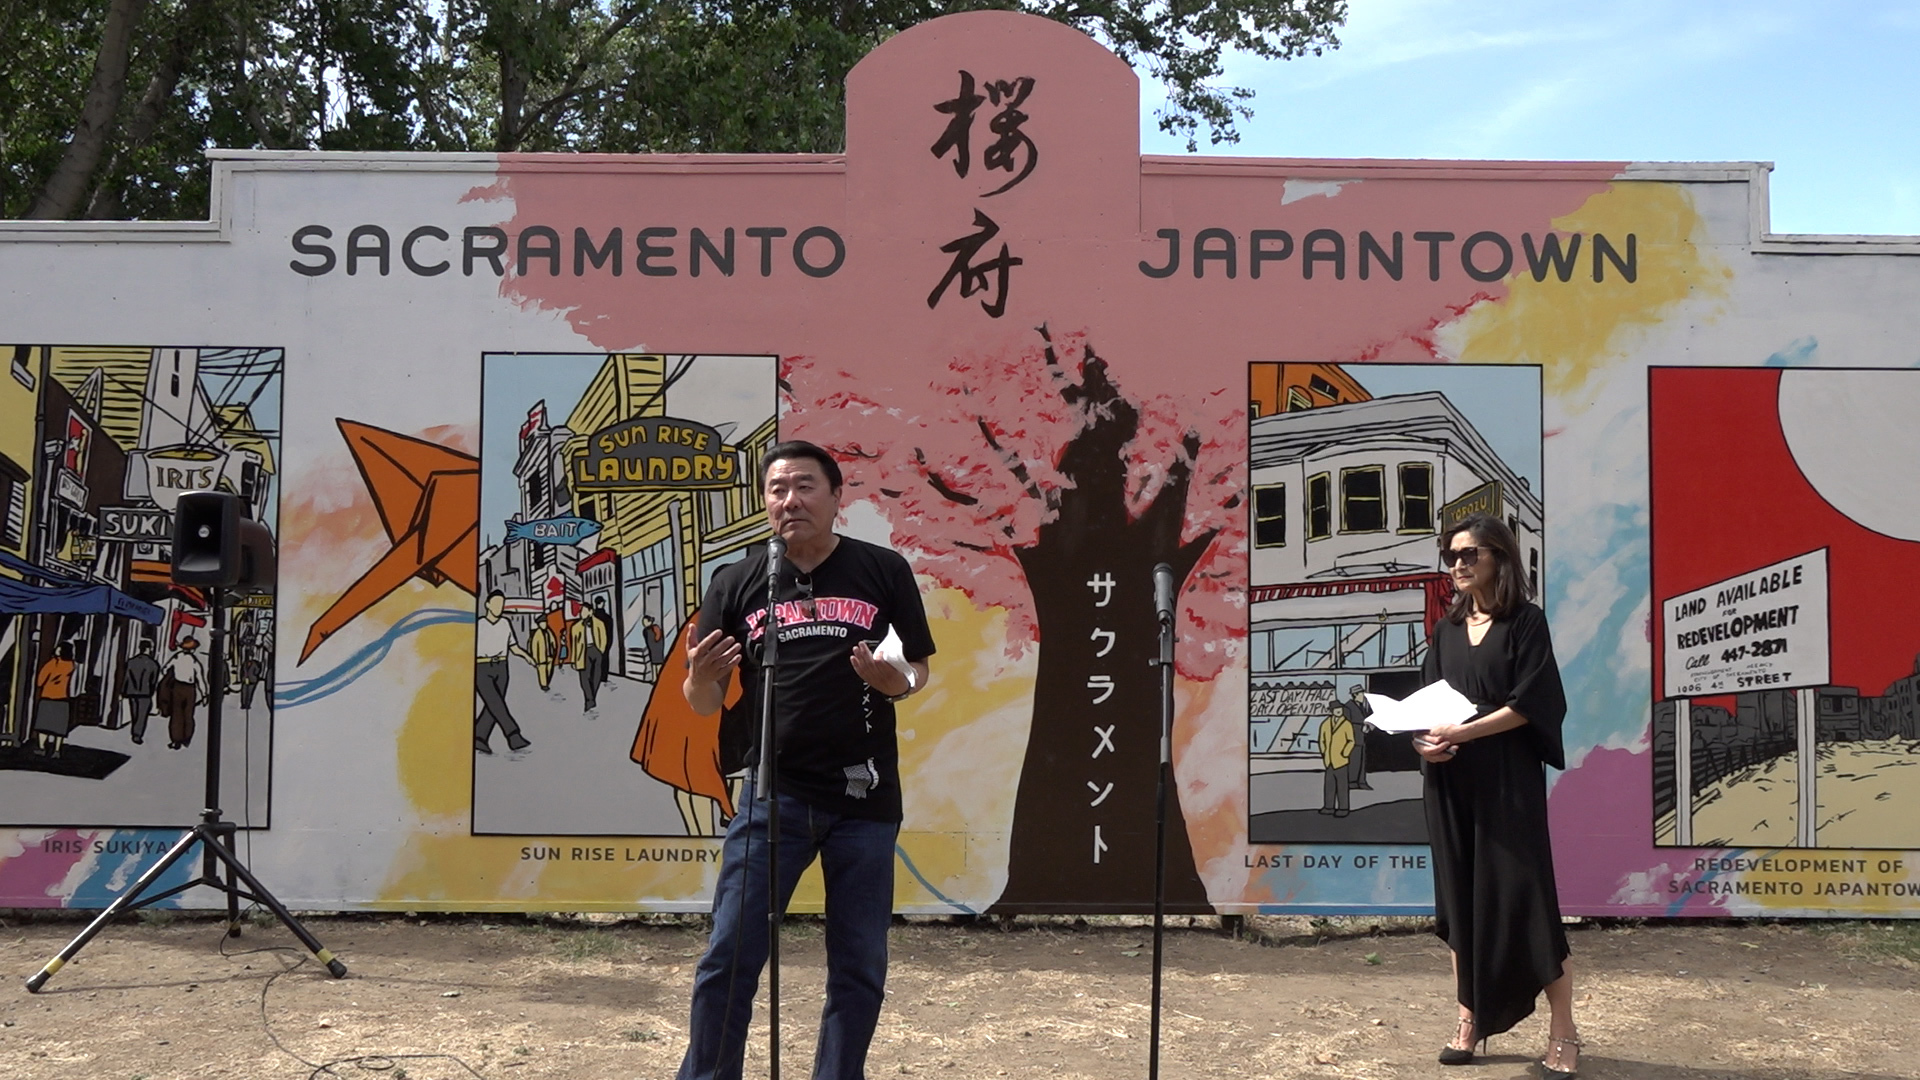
{"type": "Point", "coordinates": [611, 489]}
{"type": "Point", "coordinates": [103, 661]}
{"type": "Point", "coordinates": [1787, 570]}
{"type": "Point", "coordinates": [1353, 472]}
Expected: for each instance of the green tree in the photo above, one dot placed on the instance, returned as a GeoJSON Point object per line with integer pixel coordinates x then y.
{"type": "Point", "coordinates": [117, 129]}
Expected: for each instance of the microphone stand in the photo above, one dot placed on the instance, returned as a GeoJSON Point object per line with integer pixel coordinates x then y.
{"type": "Point", "coordinates": [1163, 610]}
{"type": "Point", "coordinates": [766, 777]}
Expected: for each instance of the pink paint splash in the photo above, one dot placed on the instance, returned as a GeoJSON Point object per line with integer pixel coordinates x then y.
{"type": "Point", "coordinates": [32, 879]}
{"type": "Point", "coordinates": [1602, 818]}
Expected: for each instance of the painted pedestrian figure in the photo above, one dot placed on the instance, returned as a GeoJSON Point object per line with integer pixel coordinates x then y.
{"type": "Point", "coordinates": [587, 649]}
{"type": "Point", "coordinates": [492, 642]}
{"type": "Point", "coordinates": [137, 685]}
{"type": "Point", "coordinates": [251, 669]}
{"type": "Point", "coordinates": [656, 645]}
{"type": "Point", "coordinates": [183, 686]}
{"type": "Point", "coordinates": [545, 651]}
{"type": "Point", "coordinates": [1357, 711]}
{"type": "Point", "coordinates": [53, 711]}
{"type": "Point", "coordinates": [1337, 741]}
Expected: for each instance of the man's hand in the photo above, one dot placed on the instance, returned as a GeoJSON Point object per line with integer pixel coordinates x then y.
{"type": "Point", "coordinates": [710, 664]}
{"type": "Point", "coordinates": [882, 675]}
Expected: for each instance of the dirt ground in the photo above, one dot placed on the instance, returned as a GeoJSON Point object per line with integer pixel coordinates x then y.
{"type": "Point", "coordinates": [517, 998]}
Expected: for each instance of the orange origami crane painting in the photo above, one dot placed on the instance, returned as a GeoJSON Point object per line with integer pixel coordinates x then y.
{"type": "Point", "coordinates": [428, 498]}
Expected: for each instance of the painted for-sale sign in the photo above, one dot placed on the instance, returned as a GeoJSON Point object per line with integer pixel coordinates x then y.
{"type": "Point", "coordinates": [1762, 630]}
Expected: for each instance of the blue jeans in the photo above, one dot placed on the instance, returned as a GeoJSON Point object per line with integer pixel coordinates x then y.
{"type": "Point", "coordinates": [856, 859]}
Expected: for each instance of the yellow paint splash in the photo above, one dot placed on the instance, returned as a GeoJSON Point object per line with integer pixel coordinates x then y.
{"type": "Point", "coordinates": [1577, 327]}
{"type": "Point", "coordinates": [961, 747]}
{"type": "Point", "coordinates": [445, 868]}
{"type": "Point", "coordinates": [1207, 748]}
{"type": "Point", "coordinates": [439, 726]}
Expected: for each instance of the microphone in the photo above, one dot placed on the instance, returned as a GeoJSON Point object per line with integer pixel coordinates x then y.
{"type": "Point", "coordinates": [1163, 592]}
{"type": "Point", "coordinates": [776, 554]}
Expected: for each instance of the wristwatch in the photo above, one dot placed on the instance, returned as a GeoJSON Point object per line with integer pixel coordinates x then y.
{"type": "Point", "coordinates": [913, 684]}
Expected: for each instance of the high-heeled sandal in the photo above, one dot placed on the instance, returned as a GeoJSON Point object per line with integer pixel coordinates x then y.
{"type": "Point", "coordinates": [1555, 1048]}
{"type": "Point", "coordinates": [1462, 1055]}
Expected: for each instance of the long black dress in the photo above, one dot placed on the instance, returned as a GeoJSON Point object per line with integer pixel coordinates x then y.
{"type": "Point", "coordinates": [1487, 819]}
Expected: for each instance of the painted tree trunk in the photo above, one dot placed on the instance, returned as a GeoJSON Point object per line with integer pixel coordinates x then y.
{"type": "Point", "coordinates": [1084, 818]}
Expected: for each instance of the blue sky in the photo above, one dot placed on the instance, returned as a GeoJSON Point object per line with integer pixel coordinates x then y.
{"type": "Point", "coordinates": [1827, 92]}
{"type": "Point", "coordinates": [1502, 402]}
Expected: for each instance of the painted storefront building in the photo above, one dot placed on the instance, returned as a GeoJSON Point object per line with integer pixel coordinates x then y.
{"type": "Point", "coordinates": [504, 415]}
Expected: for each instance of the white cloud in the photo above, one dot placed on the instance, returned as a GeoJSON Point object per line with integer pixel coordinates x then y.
{"type": "Point", "coordinates": [1296, 190]}
{"type": "Point", "coordinates": [1534, 103]}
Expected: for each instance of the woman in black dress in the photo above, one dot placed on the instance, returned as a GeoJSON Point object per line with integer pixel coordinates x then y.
{"type": "Point", "coordinates": [1486, 799]}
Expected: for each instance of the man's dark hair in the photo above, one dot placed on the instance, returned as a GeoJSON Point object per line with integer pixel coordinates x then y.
{"type": "Point", "coordinates": [795, 448]}
{"type": "Point", "coordinates": [1511, 589]}
{"type": "Point", "coordinates": [491, 593]}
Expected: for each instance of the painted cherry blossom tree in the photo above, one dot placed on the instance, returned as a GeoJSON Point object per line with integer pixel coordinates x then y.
{"type": "Point", "coordinates": [1041, 487]}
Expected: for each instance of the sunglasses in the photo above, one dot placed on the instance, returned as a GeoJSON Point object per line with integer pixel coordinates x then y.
{"type": "Point", "coordinates": [1466, 556]}
{"type": "Point", "coordinates": [805, 583]}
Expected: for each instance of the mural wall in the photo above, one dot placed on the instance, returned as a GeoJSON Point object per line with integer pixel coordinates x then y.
{"type": "Point", "coordinates": [511, 408]}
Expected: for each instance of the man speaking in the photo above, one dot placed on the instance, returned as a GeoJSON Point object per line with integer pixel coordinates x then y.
{"type": "Point", "coordinates": [838, 761]}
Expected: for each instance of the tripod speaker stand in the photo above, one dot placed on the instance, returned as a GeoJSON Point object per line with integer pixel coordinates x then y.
{"type": "Point", "coordinates": [214, 547]}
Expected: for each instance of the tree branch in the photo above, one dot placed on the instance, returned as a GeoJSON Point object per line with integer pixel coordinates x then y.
{"type": "Point", "coordinates": [146, 114]}
{"type": "Point", "coordinates": [571, 87]}
{"type": "Point", "coordinates": [61, 195]}
{"type": "Point", "coordinates": [939, 485]}
{"type": "Point", "coordinates": [1014, 465]}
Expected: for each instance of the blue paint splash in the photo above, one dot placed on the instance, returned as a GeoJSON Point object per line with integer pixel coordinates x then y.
{"type": "Point", "coordinates": [111, 875]}
{"type": "Point", "coordinates": [907, 861]}
{"type": "Point", "coordinates": [1604, 704]}
{"type": "Point", "coordinates": [1713, 903]}
{"type": "Point", "coordinates": [365, 659]}
{"type": "Point", "coordinates": [1803, 352]}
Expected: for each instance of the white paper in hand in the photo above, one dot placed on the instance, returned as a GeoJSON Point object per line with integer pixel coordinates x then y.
{"type": "Point", "coordinates": [1433, 705]}
{"type": "Point", "coordinates": [894, 651]}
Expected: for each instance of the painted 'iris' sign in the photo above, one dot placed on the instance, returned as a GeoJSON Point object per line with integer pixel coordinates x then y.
{"type": "Point", "coordinates": [654, 453]}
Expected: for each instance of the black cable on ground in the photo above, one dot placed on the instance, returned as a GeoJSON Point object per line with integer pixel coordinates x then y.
{"type": "Point", "coordinates": [366, 1063]}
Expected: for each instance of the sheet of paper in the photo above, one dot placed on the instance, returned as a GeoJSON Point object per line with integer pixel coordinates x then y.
{"type": "Point", "coordinates": [1429, 707]}
{"type": "Point", "coordinates": [894, 651]}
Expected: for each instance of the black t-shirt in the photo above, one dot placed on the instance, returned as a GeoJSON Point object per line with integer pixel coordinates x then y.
{"type": "Point", "coordinates": [835, 733]}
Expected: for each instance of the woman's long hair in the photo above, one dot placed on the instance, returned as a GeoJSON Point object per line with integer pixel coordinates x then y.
{"type": "Point", "coordinates": [1511, 589]}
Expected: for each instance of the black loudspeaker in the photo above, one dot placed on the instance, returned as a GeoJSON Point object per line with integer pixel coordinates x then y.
{"type": "Point", "coordinates": [216, 546]}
